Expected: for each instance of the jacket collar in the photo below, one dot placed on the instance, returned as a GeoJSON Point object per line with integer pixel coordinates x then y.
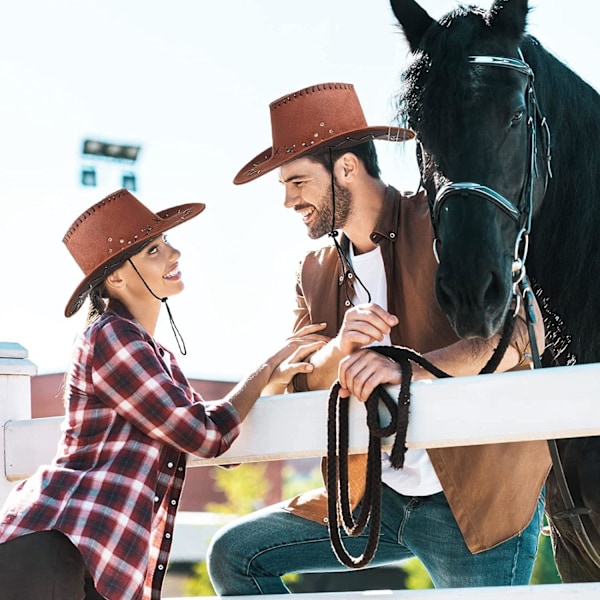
{"type": "Point", "coordinates": [387, 227]}
{"type": "Point", "coordinates": [388, 223]}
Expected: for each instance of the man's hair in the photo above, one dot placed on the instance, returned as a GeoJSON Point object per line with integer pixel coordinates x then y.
{"type": "Point", "coordinates": [365, 152]}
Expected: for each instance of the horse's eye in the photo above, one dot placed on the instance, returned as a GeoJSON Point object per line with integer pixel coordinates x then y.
{"type": "Point", "coordinates": [517, 117]}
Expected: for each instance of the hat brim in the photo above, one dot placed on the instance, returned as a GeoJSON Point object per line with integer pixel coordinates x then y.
{"type": "Point", "coordinates": [170, 218]}
{"type": "Point", "coordinates": [266, 161]}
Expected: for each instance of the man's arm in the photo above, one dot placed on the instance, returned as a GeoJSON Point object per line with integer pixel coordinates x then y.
{"type": "Point", "coordinates": [361, 372]}
{"type": "Point", "coordinates": [362, 325]}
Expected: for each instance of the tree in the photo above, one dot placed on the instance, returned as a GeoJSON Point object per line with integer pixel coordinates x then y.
{"type": "Point", "coordinates": [544, 570]}
{"type": "Point", "coordinates": [244, 488]}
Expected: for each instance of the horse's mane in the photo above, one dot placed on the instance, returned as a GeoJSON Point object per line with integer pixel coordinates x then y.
{"type": "Point", "coordinates": [446, 42]}
{"type": "Point", "coordinates": [565, 252]}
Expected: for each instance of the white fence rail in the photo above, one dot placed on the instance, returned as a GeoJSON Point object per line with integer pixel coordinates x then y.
{"type": "Point", "coordinates": [553, 403]}
{"type": "Point", "coordinates": [582, 591]}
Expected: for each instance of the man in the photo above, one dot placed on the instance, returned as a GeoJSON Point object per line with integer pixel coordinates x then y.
{"type": "Point", "coordinates": [471, 514]}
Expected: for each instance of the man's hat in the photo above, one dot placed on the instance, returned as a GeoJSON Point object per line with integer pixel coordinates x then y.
{"type": "Point", "coordinates": [113, 230]}
{"type": "Point", "coordinates": [327, 115]}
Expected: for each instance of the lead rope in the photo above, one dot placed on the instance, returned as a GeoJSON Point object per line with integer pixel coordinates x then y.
{"type": "Point", "coordinates": [571, 512]}
{"type": "Point", "coordinates": [337, 480]}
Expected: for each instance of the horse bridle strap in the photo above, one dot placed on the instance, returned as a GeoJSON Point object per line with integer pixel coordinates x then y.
{"type": "Point", "coordinates": [518, 64]}
{"type": "Point", "coordinates": [466, 187]}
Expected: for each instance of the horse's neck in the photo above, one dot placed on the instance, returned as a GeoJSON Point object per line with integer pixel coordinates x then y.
{"type": "Point", "coordinates": [565, 255]}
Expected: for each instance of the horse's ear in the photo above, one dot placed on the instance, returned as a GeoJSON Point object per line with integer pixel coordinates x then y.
{"type": "Point", "coordinates": [509, 17]}
{"type": "Point", "coordinates": [413, 19]}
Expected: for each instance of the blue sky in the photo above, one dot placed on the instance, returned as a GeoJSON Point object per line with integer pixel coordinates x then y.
{"type": "Point", "coordinates": [190, 81]}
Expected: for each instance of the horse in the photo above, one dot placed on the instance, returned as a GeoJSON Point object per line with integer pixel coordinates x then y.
{"type": "Point", "coordinates": [508, 146]}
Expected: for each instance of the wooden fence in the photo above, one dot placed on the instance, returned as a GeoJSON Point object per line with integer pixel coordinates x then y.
{"type": "Point", "coordinates": [550, 403]}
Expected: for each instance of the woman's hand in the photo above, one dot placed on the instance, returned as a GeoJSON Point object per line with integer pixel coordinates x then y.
{"type": "Point", "coordinates": [361, 372]}
{"type": "Point", "coordinates": [290, 360]}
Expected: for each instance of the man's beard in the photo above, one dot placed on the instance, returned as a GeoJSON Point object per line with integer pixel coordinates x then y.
{"type": "Point", "coordinates": [343, 207]}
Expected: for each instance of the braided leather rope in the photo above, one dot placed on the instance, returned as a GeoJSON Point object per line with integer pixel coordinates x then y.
{"type": "Point", "coordinates": [337, 481]}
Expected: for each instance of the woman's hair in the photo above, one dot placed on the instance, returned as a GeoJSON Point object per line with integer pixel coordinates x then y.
{"type": "Point", "coordinates": [365, 152]}
{"type": "Point", "coordinates": [99, 295]}
{"type": "Point", "coordinates": [97, 304]}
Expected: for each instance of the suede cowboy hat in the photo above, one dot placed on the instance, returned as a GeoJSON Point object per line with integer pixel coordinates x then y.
{"type": "Point", "coordinates": [111, 231]}
{"type": "Point", "coordinates": [326, 115]}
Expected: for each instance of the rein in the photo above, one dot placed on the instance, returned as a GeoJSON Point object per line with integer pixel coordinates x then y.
{"type": "Point", "coordinates": [337, 480]}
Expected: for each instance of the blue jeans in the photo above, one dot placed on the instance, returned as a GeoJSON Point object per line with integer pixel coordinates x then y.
{"type": "Point", "coordinates": [250, 555]}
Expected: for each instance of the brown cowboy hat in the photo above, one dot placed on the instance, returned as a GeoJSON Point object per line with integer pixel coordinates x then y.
{"type": "Point", "coordinates": [326, 115]}
{"type": "Point", "coordinates": [111, 231]}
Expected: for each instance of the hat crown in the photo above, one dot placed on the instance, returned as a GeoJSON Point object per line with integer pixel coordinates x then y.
{"type": "Point", "coordinates": [311, 116]}
{"type": "Point", "coordinates": [107, 228]}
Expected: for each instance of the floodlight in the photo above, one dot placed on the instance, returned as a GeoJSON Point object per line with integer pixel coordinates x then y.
{"type": "Point", "coordinates": [110, 150]}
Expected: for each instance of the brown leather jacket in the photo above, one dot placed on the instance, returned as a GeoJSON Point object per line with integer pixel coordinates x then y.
{"type": "Point", "coordinates": [492, 489]}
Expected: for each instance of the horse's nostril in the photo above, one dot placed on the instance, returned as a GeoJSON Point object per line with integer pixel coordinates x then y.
{"type": "Point", "coordinates": [444, 295]}
{"type": "Point", "coordinates": [493, 291]}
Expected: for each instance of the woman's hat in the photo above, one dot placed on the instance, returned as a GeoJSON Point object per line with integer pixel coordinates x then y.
{"type": "Point", "coordinates": [113, 230]}
{"type": "Point", "coordinates": [327, 115]}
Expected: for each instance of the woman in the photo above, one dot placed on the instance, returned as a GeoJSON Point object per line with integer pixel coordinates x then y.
{"type": "Point", "coordinates": [98, 522]}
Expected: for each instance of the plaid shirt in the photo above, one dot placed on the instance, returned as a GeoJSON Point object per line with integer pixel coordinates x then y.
{"type": "Point", "coordinates": [114, 485]}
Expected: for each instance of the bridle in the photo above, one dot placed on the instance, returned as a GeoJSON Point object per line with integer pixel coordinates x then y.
{"type": "Point", "coordinates": [522, 212]}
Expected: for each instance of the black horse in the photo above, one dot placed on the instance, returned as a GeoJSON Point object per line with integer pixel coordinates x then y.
{"type": "Point", "coordinates": [490, 105]}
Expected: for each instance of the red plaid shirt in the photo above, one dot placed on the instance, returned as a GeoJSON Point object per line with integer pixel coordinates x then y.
{"type": "Point", "coordinates": [114, 486]}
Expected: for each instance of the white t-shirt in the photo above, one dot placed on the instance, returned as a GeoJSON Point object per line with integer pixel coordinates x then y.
{"type": "Point", "coordinates": [417, 477]}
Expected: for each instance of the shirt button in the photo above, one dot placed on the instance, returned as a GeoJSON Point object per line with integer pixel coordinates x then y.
{"type": "Point", "coordinates": [173, 502]}
{"type": "Point", "coordinates": [347, 303]}
{"type": "Point", "coordinates": [392, 235]}
{"type": "Point", "coordinates": [180, 468]}
{"type": "Point", "coordinates": [170, 465]}
{"type": "Point", "coordinates": [325, 520]}
{"type": "Point", "coordinates": [160, 567]}
{"type": "Point", "coordinates": [168, 535]}
{"type": "Point", "coordinates": [156, 498]}
{"type": "Point", "coordinates": [341, 278]}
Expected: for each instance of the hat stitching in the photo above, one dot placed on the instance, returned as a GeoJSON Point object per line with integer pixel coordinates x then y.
{"type": "Point", "coordinates": [88, 213]}
{"type": "Point", "coordinates": [310, 90]}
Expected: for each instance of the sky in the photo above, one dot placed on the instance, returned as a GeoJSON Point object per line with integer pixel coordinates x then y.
{"type": "Point", "coordinates": [190, 81]}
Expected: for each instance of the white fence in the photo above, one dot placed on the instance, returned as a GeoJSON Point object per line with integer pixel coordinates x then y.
{"type": "Point", "coordinates": [553, 403]}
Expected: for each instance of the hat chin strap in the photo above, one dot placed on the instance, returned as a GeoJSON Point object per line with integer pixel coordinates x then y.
{"type": "Point", "coordinates": [178, 336]}
{"type": "Point", "coordinates": [347, 270]}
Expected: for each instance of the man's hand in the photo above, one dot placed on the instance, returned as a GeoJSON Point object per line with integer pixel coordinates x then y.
{"type": "Point", "coordinates": [361, 372]}
{"type": "Point", "coordinates": [362, 326]}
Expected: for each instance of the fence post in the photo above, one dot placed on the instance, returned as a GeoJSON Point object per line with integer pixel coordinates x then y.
{"type": "Point", "coordinates": [15, 398]}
